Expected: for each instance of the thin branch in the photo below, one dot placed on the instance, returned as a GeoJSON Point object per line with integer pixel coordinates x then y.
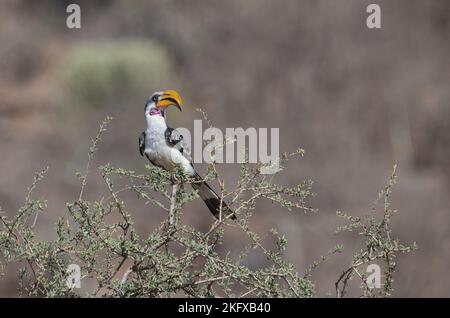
{"type": "Point", "coordinates": [124, 278]}
{"type": "Point", "coordinates": [172, 211]}
{"type": "Point", "coordinates": [92, 150]}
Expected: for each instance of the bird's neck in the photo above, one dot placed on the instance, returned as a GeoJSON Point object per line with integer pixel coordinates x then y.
{"type": "Point", "coordinates": [156, 122]}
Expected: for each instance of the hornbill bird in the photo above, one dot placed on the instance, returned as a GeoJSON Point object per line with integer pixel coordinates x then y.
{"type": "Point", "coordinates": [163, 148]}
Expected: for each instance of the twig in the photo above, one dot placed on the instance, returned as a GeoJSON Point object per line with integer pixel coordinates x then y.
{"type": "Point", "coordinates": [92, 150]}
{"type": "Point", "coordinates": [173, 199]}
{"type": "Point", "coordinates": [344, 276]}
{"type": "Point", "coordinates": [211, 279]}
{"type": "Point", "coordinates": [124, 278]}
{"type": "Point", "coordinates": [248, 292]}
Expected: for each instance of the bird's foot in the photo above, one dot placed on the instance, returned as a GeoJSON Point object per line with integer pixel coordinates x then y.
{"type": "Point", "coordinates": [174, 179]}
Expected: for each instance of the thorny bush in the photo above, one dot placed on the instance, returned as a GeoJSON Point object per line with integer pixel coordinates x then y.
{"type": "Point", "coordinates": [176, 259]}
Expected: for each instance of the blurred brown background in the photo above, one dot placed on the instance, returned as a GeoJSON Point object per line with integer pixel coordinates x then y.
{"type": "Point", "coordinates": [356, 99]}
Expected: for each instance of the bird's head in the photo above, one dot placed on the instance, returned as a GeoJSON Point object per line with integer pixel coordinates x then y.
{"type": "Point", "coordinates": [158, 103]}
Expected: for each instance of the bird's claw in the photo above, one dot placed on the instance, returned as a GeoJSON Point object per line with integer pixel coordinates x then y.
{"type": "Point", "coordinates": [174, 179]}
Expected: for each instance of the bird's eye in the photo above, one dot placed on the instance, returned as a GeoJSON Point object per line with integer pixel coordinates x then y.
{"type": "Point", "coordinates": [155, 98]}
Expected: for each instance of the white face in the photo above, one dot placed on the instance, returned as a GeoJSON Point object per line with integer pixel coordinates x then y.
{"type": "Point", "coordinates": [150, 108]}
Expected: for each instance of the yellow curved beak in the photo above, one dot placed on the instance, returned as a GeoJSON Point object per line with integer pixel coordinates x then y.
{"type": "Point", "coordinates": [169, 98]}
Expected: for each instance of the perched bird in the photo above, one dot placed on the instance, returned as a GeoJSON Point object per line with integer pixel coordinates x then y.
{"type": "Point", "coordinates": [162, 146]}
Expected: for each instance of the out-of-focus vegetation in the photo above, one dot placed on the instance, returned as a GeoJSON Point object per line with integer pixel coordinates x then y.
{"type": "Point", "coordinates": [95, 74]}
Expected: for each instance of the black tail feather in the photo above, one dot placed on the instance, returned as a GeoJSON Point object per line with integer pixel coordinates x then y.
{"type": "Point", "coordinates": [211, 199]}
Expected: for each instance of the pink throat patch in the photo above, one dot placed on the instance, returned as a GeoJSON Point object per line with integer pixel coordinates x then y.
{"type": "Point", "coordinates": [155, 111]}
